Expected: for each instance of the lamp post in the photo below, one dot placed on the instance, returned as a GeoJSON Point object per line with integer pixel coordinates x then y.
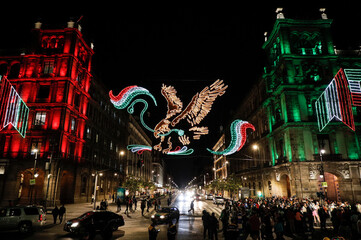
{"type": "Point", "coordinates": [35, 174]}
{"type": "Point", "coordinates": [256, 148]}
{"type": "Point", "coordinates": [322, 172]}
{"type": "Point", "coordinates": [95, 189]}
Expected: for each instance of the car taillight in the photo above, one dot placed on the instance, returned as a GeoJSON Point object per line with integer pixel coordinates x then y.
{"type": "Point", "coordinates": [40, 218]}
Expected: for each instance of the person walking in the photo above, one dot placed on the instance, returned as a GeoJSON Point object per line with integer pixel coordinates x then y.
{"type": "Point", "coordinates": [152, 231]}
{"type": "Point", "coordinates": [149, 204]}
{"type": "Point", "coordinates": [135, 203]}
{"type": "Point", "coordinates": [142, 206]}
{"type": "Point", "coordinates": [126, 206]}
{"type": "Point", "coordinates": [55, 213]}
{"type": "Point", "coordinates": [119, 207]}
{"type": "Point", "coordinates": [192, 207]}
{"type": "Point", "coordinates": [206, 219]}
{"type": "Point", "coordinates": [213, 226]}
{"type": "Point", "coordinates": [62, 211]}
{"type": "Point", "coordinates": [131, 204]}
{"type": "Point", "coordinates": [172, 231]}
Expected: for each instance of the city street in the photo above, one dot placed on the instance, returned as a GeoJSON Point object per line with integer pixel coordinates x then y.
{"type": "Point", "coordinates": [136, 227]}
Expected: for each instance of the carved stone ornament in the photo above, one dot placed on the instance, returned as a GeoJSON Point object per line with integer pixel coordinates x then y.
{"type": "Point", "coordinates": [278, 176]}
{"type": "Point", "coordinates": [344, 169]}
{"type": "Point", "coordinates": [313, 169]}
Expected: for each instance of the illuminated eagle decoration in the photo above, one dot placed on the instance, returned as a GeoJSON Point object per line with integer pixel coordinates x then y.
{"type": "Point", "coordinates": [197, 109]}
{"type": "Point", "coordinates": [194, 113]}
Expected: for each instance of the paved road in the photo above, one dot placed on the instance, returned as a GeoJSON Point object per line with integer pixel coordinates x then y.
{"type": "Point", "coordinates": [136, 226]}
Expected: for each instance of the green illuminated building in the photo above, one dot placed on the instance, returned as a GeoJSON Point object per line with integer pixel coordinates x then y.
{"type": "Point", "coordinates": [302, 61]}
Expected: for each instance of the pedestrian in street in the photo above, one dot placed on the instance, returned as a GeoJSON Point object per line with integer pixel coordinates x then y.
{"type": "Point", "coordinates": [224, 219]}
{"type": "Point", "coordinates": [105, 204]}
{"type": "Point", "coordinates": [192, 207]}
{"type": "Point", "coordinates": [149, 204]}
{"type": "Point", "coordinates": [159, 204]}
{"type": "Point", "coordinates": [232, 231]}
{"type": "Point", "coordinates": [126, 206]}
{"type": "Point", "coordinates": [62, 211]}
{"type": "Point", "coordinates": [142, 206]}
{"type": "Point", "coordinates": [205, 219]}
{"type": "Point", "coordinates": [168, 201]}
{"type": "Point", "coordinates": [119, 207]}
{"type": "Point", "coordinates": [152, 231]}
{"type": "Point", "coordinates": [55, 213]}
{"type": "Point", "coordinates": [130, 204]}
{"type": "Point", "coordinates": [172, 231]}
{"type": "Point", "coordinates": [135, 203]}
{"type": "Point", "coordinates": [155, 205]}
{"type": "Point", "coordinates": [213, 226]}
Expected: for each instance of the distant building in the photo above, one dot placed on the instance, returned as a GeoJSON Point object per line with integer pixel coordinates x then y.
{"type": "Point", "coordinates": [283, 156]}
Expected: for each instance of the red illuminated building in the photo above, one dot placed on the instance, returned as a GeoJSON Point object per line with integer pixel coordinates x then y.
{"type": "Point", "coordinates": [53, 79]}
{"type": "Point", "coordinates": [72, 130]}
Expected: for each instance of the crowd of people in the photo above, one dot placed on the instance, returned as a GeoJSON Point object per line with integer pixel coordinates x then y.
{"type": "Point", "coordinates": [273, 218]}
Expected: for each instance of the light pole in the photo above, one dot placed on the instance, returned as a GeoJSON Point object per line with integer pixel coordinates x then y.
{"type": "Point", "coordinates": [322, 172]}
{"type": "Point", "coordinates": [256, 148]}
{"type": "Point", "coordinates": [35, 174]}
{"type": "Point", "coordinates": [95, 189]}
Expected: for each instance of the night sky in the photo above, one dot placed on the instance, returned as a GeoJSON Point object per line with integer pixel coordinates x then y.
{"type": "Point", "coordinates": [186, 47]}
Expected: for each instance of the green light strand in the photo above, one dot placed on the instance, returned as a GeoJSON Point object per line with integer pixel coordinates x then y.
{"type": "Point", "coordinates": [131, 111]}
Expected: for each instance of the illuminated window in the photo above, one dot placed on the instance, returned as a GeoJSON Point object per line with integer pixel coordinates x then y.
{"type": "Point", "coordinates": [48, 67]}
{"type": "Point", "coordinates": [40, 118]}
{"type": "Point", "coordinates": [88, 133]}
{"type": "Point", "coordinates": [72, 126]}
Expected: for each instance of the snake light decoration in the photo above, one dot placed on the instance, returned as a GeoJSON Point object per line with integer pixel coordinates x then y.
{"type": "Point", "coordinates": [238, 137]}
{"type": "Point", "coordinates": [197, 109]}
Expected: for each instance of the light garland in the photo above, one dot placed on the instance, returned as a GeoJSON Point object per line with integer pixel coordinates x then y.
{"type": "Point", "coordinates": [135, 148]}
{"type": "Point", "coordinates": [125, 98]}
{"type": "Point", "coordinates": [181, 151]}
{"type": "Point", "coordinates": [195, 112]}
{"type": "Point", "coordinates": [238, 137]}
{"type": "Point", "coordinates": [13, 109]}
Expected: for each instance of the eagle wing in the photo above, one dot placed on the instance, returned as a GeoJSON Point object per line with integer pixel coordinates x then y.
{"type": "Point", "coordinates": [201, 104]}
{"type": "Point", "coordinates": [174, 104]}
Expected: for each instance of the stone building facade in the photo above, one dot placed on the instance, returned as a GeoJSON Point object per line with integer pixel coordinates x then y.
{"type": "Point", "coordinates": [301, 62]}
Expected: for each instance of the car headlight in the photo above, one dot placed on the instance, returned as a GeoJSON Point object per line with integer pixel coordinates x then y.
{"type": "Point", "coordinates": [152, 216]}
{"type": "Point", "coordinates": [162, 217]}
{"type": "Point", "coordinates": [74, 224]}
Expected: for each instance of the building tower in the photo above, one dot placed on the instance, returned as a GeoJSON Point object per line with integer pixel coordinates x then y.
{"type": "Point", "coordinates": [53, 78]}
{"type": "Point", "coordinates": [301, 63]}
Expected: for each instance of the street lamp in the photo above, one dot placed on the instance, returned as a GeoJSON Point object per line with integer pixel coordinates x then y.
{"type": "Point", "coordinates": [322, 173]}
{"type": "Point", "coordinates": [256, 148]}
{"type": "Point", "coordinates": [35, 174]}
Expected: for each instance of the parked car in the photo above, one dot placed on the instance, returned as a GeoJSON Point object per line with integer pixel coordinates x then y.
{"type": "Point", "coordinates": [209, 197]}
{"type": "Point", "coordinates": [93, 222]}
{"type": "Point", "coordinates": [165, 214]}
{"type": "Point", "coordinates": [218, 200]}
{"type": "Point", "coordinates": [23, 218]}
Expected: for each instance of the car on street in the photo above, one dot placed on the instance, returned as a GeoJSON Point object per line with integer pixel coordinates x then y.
{"type": "Point", "coordinates": [218, 200]}
{"type": "Point", "coordinates": [23, 218]}
{"type": "Point", "coordinates": [165, 214]}
{"type": "Point", "coordinates": [198, 197]}
{"type": "Point", "coordinates": [209, 197]}
{"type": "Point", "coordinates": [90, 223]}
